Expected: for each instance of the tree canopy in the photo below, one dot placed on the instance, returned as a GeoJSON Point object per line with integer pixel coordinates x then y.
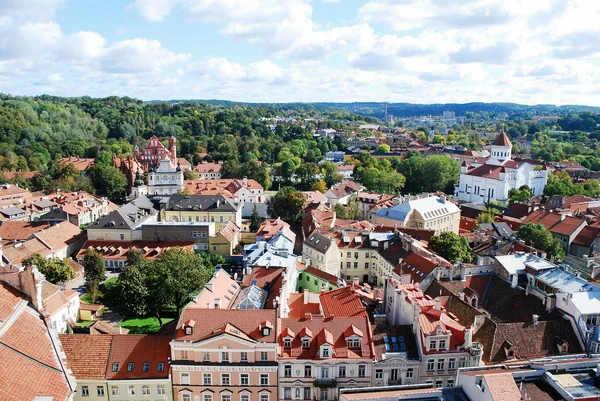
{"type": "Point", "coordinates": [287, 203]}
{"type": "Point", "coordinates": [537, 236]}
{"type": "Point", "coordinates": [452, 247]}
{"type": "Point", "coordinates": [55, 270]}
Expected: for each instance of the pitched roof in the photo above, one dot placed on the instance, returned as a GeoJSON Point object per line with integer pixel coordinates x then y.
{"type": "Point", "coordinates": [343, 302]}
{"type": "Point", "coordinates": [555, 222]}
{"type": "Point", "coordinates": [139, 349]}
{"type": "Point", "coordinates": [20, 230]}
{"type": "Point", "coordinates": [418, 266]}
{"type": "Point", "coordinates": [319, 242]}
{"type": "Point", "coordinates": [208, 167]}
{"type": "Point", "coordinates": [87, 355]}
{"type": "Point", "coordinates": [270, 227]}
{"type": "Point", "coordinates": [202, 203]}
{"type": "Point", "coordinates": [118, 249]}
{"type": "Point", "coordinates": [127, 216]}
{"type": "Point", "coordinates": [345, 188]}
{"type": "Point", "coordinates": [502, 386]}
{"type": "Point", "coordinates": [502, 140]}
{"type": "Point", "coordinates": [229, 231]}
{"type": "Point", "coordinates": [80, 163]}
{"type": "Point", "coordinates": [327, 331]}
{"type": "Point", "coordinates": [487, 171]}
{"type": "Point", "coordinates": [221, 286]}
{"type": "Point", "coordinates": [55, 298]}
{"type": "Point", "coordinates": [587, 236]}
{"type": "Point", "coordinates": [330, 278]}
{"type": "Point", "coordinates": [249, 321]}
{"type": "Point", "coordinates": [9, 300]}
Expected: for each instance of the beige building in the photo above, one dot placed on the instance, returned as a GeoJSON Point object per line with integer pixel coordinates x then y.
{"type": "Point", "coordinates": [125, 223]}
{"type": "Point", "coordinates": [206, 208]}
{"type": "Point", "coordinates": [434, 213]}
{"type": "Point", "coordinates": [225, 355]}
{"type": "Point", "coordinates": [321, 251]}
{"type": "Point", "coordinates": [118, 367]}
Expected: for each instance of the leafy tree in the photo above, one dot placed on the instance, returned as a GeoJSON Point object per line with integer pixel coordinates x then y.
{"type": "Point", "coordinates": [94, 271]}
{"type": "Point", "coordinates": [55, 270]}
{"type": "Point", "coordinates": [320, 186]}
{"type": "Point", "coordinates": [255, 219]}
{"type": "Point", "coordinates": [487, 215]}
{"type": "Point", "coordinates": [130, 293]}
{"type": "Point", "coordinates": [522, 194]}
{"type": "Point", "coordinates": [383, 148]}
{"type": "Point", "coordinates": [134, 257]}
{"type": "Point", "coordinates": [350, 211]}
{"type": "Point", "coordinates": [452, 247]}
{"type": "Point", "coordinates": [107, 180]}
{"type": "Point", "coordinates": [190, 175]}
{"type": "Point", "coordinates": [330, 174]}
{"type": "Point", "coordinates": [287, 203]}
{"type": "Point", "coordinates": [538, 237]}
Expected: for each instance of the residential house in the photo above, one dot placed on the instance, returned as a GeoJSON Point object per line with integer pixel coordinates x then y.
{"type": "Point", "coordinates": [226, 240]}
{"type": "Point", "coordinates": [225, 355]}
{"type": "Point", "coordinates": [195, 232]}
{"type": "Point", "coordinates": [155, 151]}
{"type": "Point", "coordinates": [444, 343]}
{"type": "Point", "coordinates": [318, 355]}
{"type": "Point", "coordinates": [79, 208]}
{"type": "Point", "coordinates": [13, 195]}
{"type": "Point", "coordinates": [322, 252]}
{"type": "Point", "coordinates": [315, 280]}
{"type": "Point", "coordinates": [587, 242]}
{"type": "Point", "coordinates": [125, 223]}
{"type": "Point", "coordinates": [370, 200]}
{"type": "Point", "coordinates": [218, 293]}
{"type": "Point", "coordinates": [205, 208]}
{"type": "Point", "coordinates": [271, 227]}
{"type": "Point", "coordinates": [340, 193]}
{"type": "Point", "coordinates": [514, 267]}
{"type": "Point", "coordinates": [13, 213]}
{"type": "Point", "coordinates": [209, 170]}
{"type": "Point", "coordinates": [564, 228]}
{"type": "Point", "coordinates": [435, 213]}
{"type": "Point", "coordinates": [491, 179]}
{"type": "Point", "coordinates": [29, 372]}
{"type": "Point", "coordinates": [345, 170]}
{"type": "Point", "coordinates": [119, 367]}
{"type": "Point", "coordinates": [396, 356]}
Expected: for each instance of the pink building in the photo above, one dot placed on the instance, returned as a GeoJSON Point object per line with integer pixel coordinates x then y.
{"type": "Point", "coordinates": [155, 151]}
{"type": "Point", "coordinates": [225, 355]}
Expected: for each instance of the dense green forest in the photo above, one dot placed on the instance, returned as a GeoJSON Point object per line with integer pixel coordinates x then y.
{"type": "Point", "coordinates": [37, 131]}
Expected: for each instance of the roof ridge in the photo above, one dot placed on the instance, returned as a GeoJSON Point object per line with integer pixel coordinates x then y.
{"type": "Point", "coordinates": [30, 358]}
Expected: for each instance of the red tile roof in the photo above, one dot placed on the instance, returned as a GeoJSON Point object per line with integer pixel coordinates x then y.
{"type": "Point", "coordinates": [299, 309]}
{"type": "Point", "coordinates": [139, 349]}
{"type": "Point", "coordinates": [502, 140]}
{"type": "Point", "coordinates": [248, 321]}
{"type": "Point", "coordinates": [330, 331]}
{"type": "Point", "coordinates": [345, 188]}
{"type": "Point", "coordinates": [418, 266]}
{"type": "Point", "coordinates": [330, 278]}
{"type": "Point", "coordinates": [20, 230]}
{"type": "Point", "coordinates": [487, 171]}
{"type": "Point", "coordinates": [9, 300]}
{"type": "Point", "coordinates": [552, 221]}
{"type": "Point", "coordinates": [343, 302]}
{"type": "Point", "coordinates": [587, 236]}
{"type": "Point", "coordinates": [271, 227]}
{"type": "Point", "coordinates": [80, 163]}
{"type": "Point", "coordinates": [87, 355]}
{"type": "Point", "coordinates": [119, 249]}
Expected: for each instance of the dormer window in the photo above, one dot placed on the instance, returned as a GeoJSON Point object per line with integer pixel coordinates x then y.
{"type": "Point", "coordinates": [305, 343]}
{"type": "Point", "coordinates": [265, 328]}
{"type": "Point", "coordinates": [432, 344]}
{"type": "Point", "coordinates": [217, 303]}
{"type": "Point", "coordinates": [442, 344]}
{"type": "Point", "coordinates": [353, 343]}
{"type": "Point", "coordinates": [188, 327]}
{"type": "Point", "coordinates": [266, 331]}
{"type": "Point", "coordinates": [325, 352]}
{"type": "Point", "coordinates": [287, 342]}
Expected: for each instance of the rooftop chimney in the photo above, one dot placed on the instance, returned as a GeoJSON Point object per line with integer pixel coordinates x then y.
{"type": "Point", "coordinates": [535, 319]}
{"type": "Point", "coordinates": [305, 299]}
{"type": "Point", "coordinates": [468, 336]}
{"type": "Point", "coordinates": [355, 282]}
{"type": "Point", "coordinates": [438, 303]}
{"type": "Point", "coordinates": [562, 217]}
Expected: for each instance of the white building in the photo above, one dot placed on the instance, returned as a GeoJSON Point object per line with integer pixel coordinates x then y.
{"type": "Point", "coordinates": [492, 178]}
{"type": "Point", "coordinates": [434, 213]}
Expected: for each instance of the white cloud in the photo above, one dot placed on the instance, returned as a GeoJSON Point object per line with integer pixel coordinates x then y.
{"type": "Point", "coordinates": [225, 70]}
{"type": "Point", "coordinates": [154, 10]}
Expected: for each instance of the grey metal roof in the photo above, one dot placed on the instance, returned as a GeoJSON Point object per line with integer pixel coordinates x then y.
{"type": "Point", "coordinates": [319, 242]}
{"type": "Point", "coordinates": [127, 216]}
{"type": "Point", "coordinates": [11, 211]}
{"type": "Point", "coordinates": [201, 203]}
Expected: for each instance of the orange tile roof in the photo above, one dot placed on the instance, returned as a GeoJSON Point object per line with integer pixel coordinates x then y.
{"type": "Point", "coordinates": [298, 308]}
{"type": "Point", "coordinates": [343, 302]}
{"type": "Point", "coordinates": [248, 321]}
{"type": "Point", "coordinates": [9, 299]}
{"type": "Point", "coordinates": [209, 167]}
{"type": "Point", "coordinates": [270, 227]}
{"type": "Point", "coordinates": [229, 231]}
{"type": "Point", "coordinates": [60, 235]}
{"type": "Point", "coordinates": [328, 330]}
{"type": "Point", "coordinates": [80, 163]}
{"type": "Point", "coordinates": [20, 230]}
{"type": "Point", "coordinates": [118, 249]}
{"type": "Point", "coordinates": [55, 298]}
{"type": "Point", "coordinates": [553, 223]}
{"type": "Point", "coordinates": [418, 266]}
{"type": "Point", "coordinates": [221, 286]}
{"type": "Point", "coordinates": [502, 386]}
{"type": "Point", "coordinates": [322, 275]}
{"type": "Point", "coordinates": [87, 355]}
{"type": "Point", "coordinates": [139, 349]}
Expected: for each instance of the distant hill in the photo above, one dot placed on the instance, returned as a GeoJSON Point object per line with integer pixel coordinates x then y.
{"type": "Point", "coordinates": [376, 109]}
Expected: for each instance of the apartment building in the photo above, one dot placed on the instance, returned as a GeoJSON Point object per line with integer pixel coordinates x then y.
{"type": "Point", "coordinates": [322, 252]}
{"type": "Point", "coordinates": [225, 355]}
{"type": "Point", "coordinates": [203, 208]}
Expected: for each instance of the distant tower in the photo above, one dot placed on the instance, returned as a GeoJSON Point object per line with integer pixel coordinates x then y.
{"type": "Point", "coordinates": [173, 147]}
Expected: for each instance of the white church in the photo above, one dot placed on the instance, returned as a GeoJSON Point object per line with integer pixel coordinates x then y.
{"type": "Point", "coordinates": [163, 180]}
{"type": "Point", "coordinates": [490, 179]}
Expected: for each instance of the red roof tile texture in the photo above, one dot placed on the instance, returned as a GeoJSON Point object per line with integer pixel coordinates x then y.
{"type": "Point", "coordinates": [555, 222]}
{"type": "Point", "coordinates": [343, 302]}
{"type": "Point", "coordinates": [502, 140]}
{"type": "Point", "coordinates": [139, 350]}
{"type": "Point", "coordinates": [87, 355]}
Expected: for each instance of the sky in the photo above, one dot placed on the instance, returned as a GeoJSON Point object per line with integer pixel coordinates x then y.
{"type": "Point", "coordinates": [418, 51]}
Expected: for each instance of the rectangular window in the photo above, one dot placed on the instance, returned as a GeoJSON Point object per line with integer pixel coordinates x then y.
{"type": "Point", "coordinates": [356, 265]}
{"type": "Point", "coordinates": [430, 364]}
{"type": "Point", "coordinates": [145, 389]}
{"type": "Point", "coordinates": [130, 366]}
{"type": "Point", "coordinates": [287, 371]}
{"type": "Point", "coordinates": [409, 373]}
{"type": "Point", "coordinates": [348, 254]}
{"type": "Point", "coordinates": [244, 379]}
{"type": "Point", "coordinates": [432, 344]}
{"type": "Point", "coordinates": [185, 378]}
{"type": "Point", "coordinates": [146, 367]}
{"type": "Point", "coordinates": [131, 389]}
{"type": "Point", "coordinates": [362, 370]}
{"type": "Point", "coordinates": [287, 393]}
{"type": "Point", "coordinates": [307, 393]}
{"type": "Point", "coordinates": [114, 390]}
{"type": "Point", "coordinates": [324, 373]}
{"type": "Point", "coordinates": [100, 391]}
{"type": "Point", "coordinates": [307, 371]}
{"type": "Point", "coordinates": [439, 383]}
{"type": "Point", "coordinates": [379, 374]}
{"type": "Point", "coordinates": [440, 364]}
{"type": "Point", "coordinates": [264, 397]}
{"type": "Point", "coordinates": [305, 343]}
{"type": "Point", "coordinates": [206, 379]}
{"type": "Point", "coordinates": [186, 397]}
{"type": "Point", "coordinates": [442, 344]}
{"type": "Point", "coordinates": [264, 379]}
{"type": "Point", "coordinates": [354, 343]}
{"type": "Point", "coordinates": [115, 367]}
{"type": "Point", "coordinates": [85, 391]}
{"type": "Point", "coordinates": [160, 389]}
{"type": "Point", "coordinates": [225, 397]}
{"type": "Point", "coordinates": [366, 265]}
{"type": "Point", "coordinates": [184, 355]}
{"type": "Point", "coordinates": [264, 356]}
{"type": "Point", "coordinates": [225, 380]}
{"type": "Point", "coordinates": [462, 362]}
{"type": "Point", "coordinates": [450, 383]}
{"type": "Point", "coordinates": [208, 397]}
{"type": "Point", "coordinates": [452, 363]}
{"type": "Point", "coordinates": [161, 367]}
{"type": "Point", "coordinates": [244, 357]}
{"type": "Point", "coordinates": [287, 342]}
{"type": "Point", "coordinates": [225, 357]}
{"type": "Point", "coordinates": [244, 397]}
{"type": "Point", "coordinates": [325, 352]}
{"type": "Point", "coordinates": [342, 371]}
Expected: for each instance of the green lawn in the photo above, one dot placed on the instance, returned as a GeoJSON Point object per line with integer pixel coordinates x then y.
{"type": "Point", "coordinates": [148, 325]}
{"type": "Point", "coordinates": [85, 298]}
{"type": "Point", "coordinates": [85, 323]}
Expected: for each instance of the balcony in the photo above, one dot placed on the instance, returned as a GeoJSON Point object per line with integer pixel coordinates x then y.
{"type": "Point", "coordinates": [325, 383]}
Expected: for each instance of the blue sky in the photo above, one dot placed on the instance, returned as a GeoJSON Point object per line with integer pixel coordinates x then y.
{"type": "Point", "coordinates": [422, 51]}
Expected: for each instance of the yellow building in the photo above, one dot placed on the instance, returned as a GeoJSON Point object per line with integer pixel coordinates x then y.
{"type": "Point", "coordinates": [203, 208]}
